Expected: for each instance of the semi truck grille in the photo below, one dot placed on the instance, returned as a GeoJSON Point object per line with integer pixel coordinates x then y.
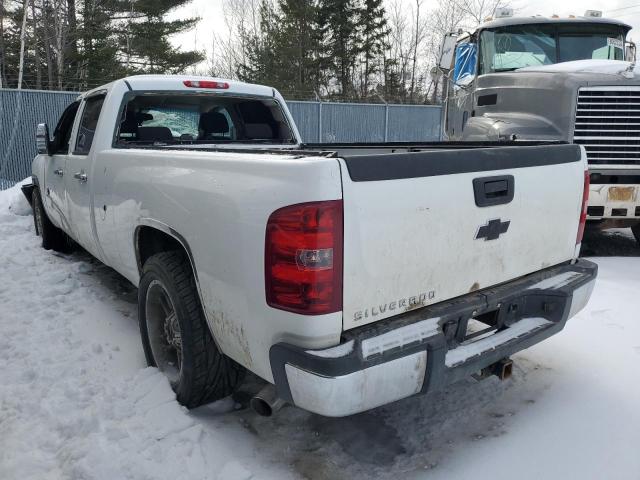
{"type": "Point", "coordinates": [608, 124]}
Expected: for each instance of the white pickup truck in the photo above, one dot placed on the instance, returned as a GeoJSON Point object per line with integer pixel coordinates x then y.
{"type": "Point", "coordinates": [346, 276]}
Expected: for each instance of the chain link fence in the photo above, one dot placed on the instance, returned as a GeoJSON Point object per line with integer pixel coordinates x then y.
{"type": "Point", "coordinates": [318, 122]}
{"type": "Point", "coordinates": [20, 113]}
{"type": "Point", "coordinates": [325, 122]}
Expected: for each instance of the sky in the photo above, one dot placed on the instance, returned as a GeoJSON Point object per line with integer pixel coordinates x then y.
{"type": "Point", "coordinates": [212, 20]}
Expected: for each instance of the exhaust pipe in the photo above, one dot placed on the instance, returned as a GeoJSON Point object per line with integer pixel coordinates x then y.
{"type": "Point", "coordinates": [266, 402]}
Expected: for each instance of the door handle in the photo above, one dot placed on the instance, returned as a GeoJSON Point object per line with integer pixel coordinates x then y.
{"type": "Point", "coordinates": [495, 189]}
{"type": "Point", "coordinates": [490, 191]}
{"type": "Point", "coordinates": [80, 176]}
{"type": "Point", "coordinates": [59, 172]}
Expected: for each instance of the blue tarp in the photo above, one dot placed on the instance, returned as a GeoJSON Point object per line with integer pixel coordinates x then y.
{"type": "Point", "coordinates": [465, 65]}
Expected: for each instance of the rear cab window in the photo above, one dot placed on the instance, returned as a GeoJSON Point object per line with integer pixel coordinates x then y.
{"type": "Point", "coordinates": [150, 118]}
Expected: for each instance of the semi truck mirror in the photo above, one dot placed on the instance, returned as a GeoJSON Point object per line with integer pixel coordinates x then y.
{"type": "Point", "coordinates": [464, 70]}
{"type": "Point", "coordinates": [630, 52]}
{"type": "Point", "coordinates": [447, 50]}
{"type": "Point", "coordinates": [43, 142]}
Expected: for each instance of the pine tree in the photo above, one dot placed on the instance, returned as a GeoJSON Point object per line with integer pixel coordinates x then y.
{"type": "Point", "coordinates": [374, 32]}
{"type": "Point", "coordinates": [79, 44]}
{"type": "Point", "coordinates": [12, 20]}
{"type": "Point", "coordinates": [286, 50]}
{"type": "Point", "coordinates": [144, 41]}
{"type": "Point", "coordinates": [339, 25]}
{"type": "Point", "coordinates": [392, 89]}
{"type": "Point", "coordinates": [98, 58]}
{"type": "Point", "coordinates": [299, 43]}
{"type": "Point", "coordinates": [3, 67]}
{"type": "Point", "coordinates": [263, 62]}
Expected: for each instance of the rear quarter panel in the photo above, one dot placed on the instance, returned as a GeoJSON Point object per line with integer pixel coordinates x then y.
{"type": "Point", "coordinates": [219, 202]}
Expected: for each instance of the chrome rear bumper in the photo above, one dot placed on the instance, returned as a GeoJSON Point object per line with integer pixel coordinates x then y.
{"type": "Point", "coordinates": [426, 349]}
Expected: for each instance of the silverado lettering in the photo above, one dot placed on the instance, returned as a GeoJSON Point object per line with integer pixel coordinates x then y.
{"type": "Point", "coordinates": [402, 303]}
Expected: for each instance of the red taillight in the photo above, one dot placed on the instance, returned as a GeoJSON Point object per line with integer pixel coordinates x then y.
{"type": "Point", "coordinates": [303, 258]}
{"type": "Point", "coordinates": [585, 203]}
{"type": "Point", "coordinates": [206, 84]}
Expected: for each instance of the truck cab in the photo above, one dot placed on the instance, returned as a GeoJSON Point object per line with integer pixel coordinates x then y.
{"type": "Point", "coordinates": [554, 79]}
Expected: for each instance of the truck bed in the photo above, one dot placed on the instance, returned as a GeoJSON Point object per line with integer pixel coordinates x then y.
{"type": "Point", "coordinates": [427, 222]}
{"type": "Point", "coordinates": [350, 149]}
{"type": "Point", "coordinates": [347, 149]}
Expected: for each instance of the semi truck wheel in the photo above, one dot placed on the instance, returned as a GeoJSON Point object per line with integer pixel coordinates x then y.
{"type": "Point", "coordinates": [175, 335]}
{"type": "Point", "coordinates": [52, 237]}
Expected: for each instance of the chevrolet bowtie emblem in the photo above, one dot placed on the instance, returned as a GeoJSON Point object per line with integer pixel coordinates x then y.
{"type": "Point", "coordinates": [492, 230]}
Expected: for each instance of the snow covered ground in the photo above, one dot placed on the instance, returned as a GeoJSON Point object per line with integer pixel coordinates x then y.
{"type": "Point", "coordinates": [76, 401]}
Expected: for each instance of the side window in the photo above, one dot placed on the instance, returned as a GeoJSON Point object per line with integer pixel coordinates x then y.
{"type": "Point", "coordinates": [464, 69]}
{"type": "Point", "coordinates": [62, 132]}
{"type": "Point", "coordinates": [88, 123]}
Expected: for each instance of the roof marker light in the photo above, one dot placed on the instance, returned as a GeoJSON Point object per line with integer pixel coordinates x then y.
{"type": "Point", "coordinates": [593, 14]}
{"type": "Point", "coordinates": [504, 12]}
{"type": "Point", "coordinates": [206, 84]}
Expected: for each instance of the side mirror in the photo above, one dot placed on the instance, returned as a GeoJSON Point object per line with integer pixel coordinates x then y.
{"type": "Point", "coordinates": [630, 52]}
{"type": "Point", "coordinates": [464, 70]}
{"type": "Point", "coordinates": [42, 139]}
{"type": "Point", "coordinates": [446, 52]}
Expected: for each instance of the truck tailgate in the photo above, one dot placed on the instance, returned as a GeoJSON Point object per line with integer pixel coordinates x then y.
{"type": "Point", "coordinates": [424, 227]}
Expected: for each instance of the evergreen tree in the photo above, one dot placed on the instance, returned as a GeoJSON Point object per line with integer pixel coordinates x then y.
{"type": "Point", "coordinates": [373, 22]}
{"type": "Point", "coordinates": [339, 25]}
{"type": "Point", "coordinates": [286, 50]}
{"type": "Point", "coordinates": [263, 61]}
{"type": "Point", "coordinates": [79, 44]}
{"type": "Point", "coordinates": [300, 43]}
{"type": "Point", "coordinates": [98, 56]}
{"type": "Point", "coordinates": [144, 42]}
{"type": "Point", "coordinates": [392, 88]}
{"type": "Point", "coordinates": [3, 61]}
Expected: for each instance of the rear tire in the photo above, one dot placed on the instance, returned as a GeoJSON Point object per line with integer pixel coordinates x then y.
{"type": "Point", "coordinates": [175, 334]}
{"type": "Point", "coordinates": [52, 237]}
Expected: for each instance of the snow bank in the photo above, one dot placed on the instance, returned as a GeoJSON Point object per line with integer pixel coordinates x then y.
{"type": "Point", "coordinates": [13, 201]}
